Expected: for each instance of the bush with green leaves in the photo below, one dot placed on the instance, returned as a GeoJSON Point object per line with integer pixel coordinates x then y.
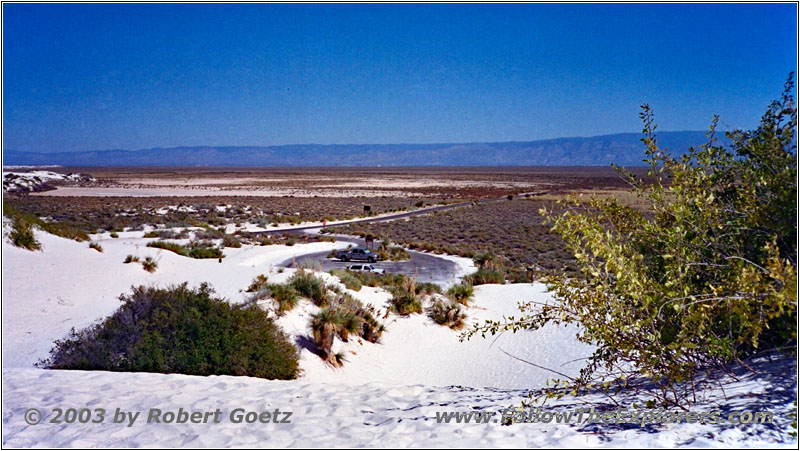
{"type": "Point", "coordinates": [703, 279]}
{"type": "Point", "coordinates": [461, 293]}
{"type": "Point", "coordinates": [180, 330]}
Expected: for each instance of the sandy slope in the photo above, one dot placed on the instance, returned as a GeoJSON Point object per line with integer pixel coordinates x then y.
{"type": "Point", "coordinates": [387, 394]}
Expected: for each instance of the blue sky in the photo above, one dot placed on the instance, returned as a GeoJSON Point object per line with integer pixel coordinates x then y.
{"type": "Point", "coordinates": [116, 76]}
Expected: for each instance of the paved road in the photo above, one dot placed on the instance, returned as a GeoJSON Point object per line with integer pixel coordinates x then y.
{"type": "Point", "coordinates": [427, 267]}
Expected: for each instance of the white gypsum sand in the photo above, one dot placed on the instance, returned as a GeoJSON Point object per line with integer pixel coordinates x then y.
{"type": "Point", "coordinates": [386, 394]}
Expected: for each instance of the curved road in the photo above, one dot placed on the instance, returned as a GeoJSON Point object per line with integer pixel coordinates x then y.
{"type": "Point", "coordinates": [426, 267]}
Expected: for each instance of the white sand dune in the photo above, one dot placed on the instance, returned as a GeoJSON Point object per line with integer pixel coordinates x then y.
{"type": "Point", "coordinates": [387, 394]}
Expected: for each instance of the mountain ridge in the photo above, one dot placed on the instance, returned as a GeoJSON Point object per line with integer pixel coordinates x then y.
{"type": "Point", "coordinates": [620, 148]}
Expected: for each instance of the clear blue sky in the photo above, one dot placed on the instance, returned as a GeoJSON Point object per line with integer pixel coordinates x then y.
{"type": "Point", "coordinates": [84, 77]}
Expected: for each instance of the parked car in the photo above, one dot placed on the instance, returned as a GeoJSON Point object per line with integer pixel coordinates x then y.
{"type": "Point", "coordinates": [358, 253]}
{"type": "Point", "coordinates": [366, 268]}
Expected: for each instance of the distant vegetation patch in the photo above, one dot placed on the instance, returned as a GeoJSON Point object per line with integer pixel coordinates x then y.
{"type": "Point", "coordinates": [193, 250]}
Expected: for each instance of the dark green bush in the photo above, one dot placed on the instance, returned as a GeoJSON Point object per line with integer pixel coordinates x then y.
{"type": "Point", "coordinates": [405, 303]}
{"type": "Point", "coordinates": [180, 330]}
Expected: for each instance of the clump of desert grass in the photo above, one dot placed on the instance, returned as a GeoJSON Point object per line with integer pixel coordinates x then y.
{"type": "Point", "coordinates": [344, 318]}
{"type": "Point", "coordinates": [96, 246]}
{"type": "Point", "coordinates": [149, 264]}
{"type": "Point", "coordinates": [461, 293]}
{"type": "Point", "coordinates": [131, 259]}
{"type": "Point", "coordinates": [310, 286]}
{"type": "Point", "coordinates": [448, 314]}
{"type": "Point", "coordinates": [348, 279]}
{"type": "Point", "coordinates": [195, 249]}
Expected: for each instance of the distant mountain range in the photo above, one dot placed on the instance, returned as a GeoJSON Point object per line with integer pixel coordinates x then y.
{"type": "Point", "coordinates": [623, 149]}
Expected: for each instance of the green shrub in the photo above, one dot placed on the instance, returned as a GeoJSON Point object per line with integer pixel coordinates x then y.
{"type": "Point", "coordinates": [114, 235]}
{"type": "Point", "coordinates": [405, 303]}
{"type": "Point", "coordinates": [700, 279]}
{"type": "Point", "coordinates": [310, 286]}
{"type": "Point", "coordinates": [231, 241]}
{"type": "Point", "coordinates": [194, 250]}
{"type": "Point", "coordinates": [180, 330]}
{"type": "Point", "coordinates": [486, 276]}
{"type": "Point", "coordinates": [461, 293]}
{"type": "Point", "coordinates": [284, 295]}
{"type": "Point", "coordinates": [96, 246]}
{"type": "Point", "coordinates": [350, 281]}
{"type": "Point", "coordinates": [427, 288]}
{"type": "Point", "coordinates": [131, 259]}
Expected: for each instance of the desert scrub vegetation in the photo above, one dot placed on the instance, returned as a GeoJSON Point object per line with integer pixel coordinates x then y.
{"type": "Point", "coordinates": [21, 234]}
{"type": "Point", "coordinates": [195, 249]}
{"type": "Point", "coordinates": [149, 265]}
{"type": "Point", "coordinates": [702, 283]}
{"type": "Point", "coordinates": [343, 318]}
{"type": "Point", "coordinates": [514, 230]}
{"type": "Point", "coordinates": [131, 259]}
{"type": "Point", "coordinates": [448, 314]}
{"type": "Point", "coordinates": [485, 276]}
{"type": "Point", "coordinates": [22, 223]}
{"type": "Point", "coordinates": [180, 330]}
{"type": "Point", "coordinates": [231, 241]}
{"type": "Point", "coordinates": [77, 216]}
{"type": "Point", "coordinates": [310, 286]}
{"type": "Point", "coordinates": [167, 234]}
{"type": "Point", "coordinates": [461, 293]}
{"type": "Point", "coordinates": [96, 246]}
{"type": "Point", "coordinates": [348, 279]}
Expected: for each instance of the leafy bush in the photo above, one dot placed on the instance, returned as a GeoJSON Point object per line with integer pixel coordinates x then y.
{"type": "Point", "coordinates": [180, 330]}
{"type": "Point", "coordinates": [704, 278]}
{"type": "Point", "coordinates": [310, 286]}
{"type": "Point", "coordinates": [486, 276]}
{"type": "Point", "coordinates": [461, 292]}
{"type": "Point", "coordinates": [447, 314]}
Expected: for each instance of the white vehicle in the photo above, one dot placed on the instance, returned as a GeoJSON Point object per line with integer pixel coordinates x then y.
{"type": "Point", "coordinates": [367, 268]}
